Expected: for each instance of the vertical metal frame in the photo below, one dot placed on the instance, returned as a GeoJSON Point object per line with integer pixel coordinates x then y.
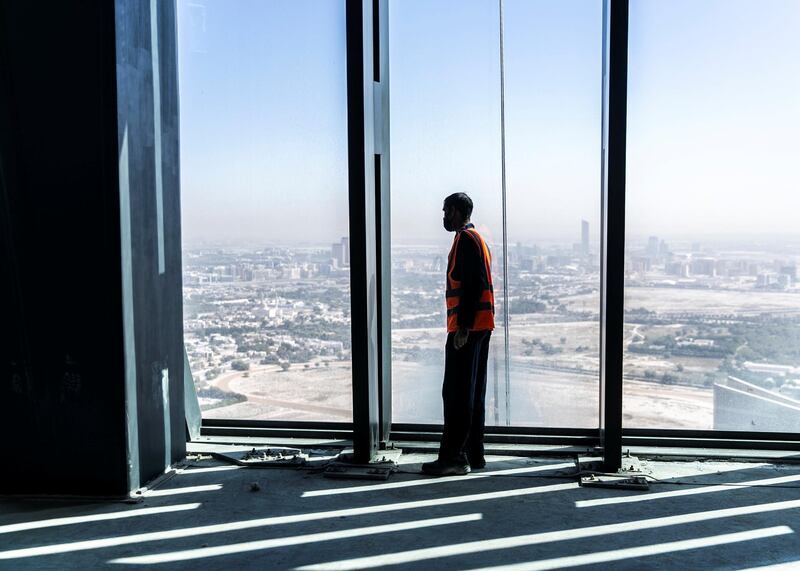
{"type": "Point", "coordinates": [612, 314]}
{"type": "Point", "coordinates": [383, 216]}
{"type": "Point", "coordinates": [364, 206]}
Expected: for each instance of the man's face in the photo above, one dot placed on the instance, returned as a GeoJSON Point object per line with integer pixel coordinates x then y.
{"type": "Point", "coordinates": [448, 219]}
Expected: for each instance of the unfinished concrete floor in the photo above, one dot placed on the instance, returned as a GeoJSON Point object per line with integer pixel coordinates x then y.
{"type": "Point", "coordinates": [518, 513]}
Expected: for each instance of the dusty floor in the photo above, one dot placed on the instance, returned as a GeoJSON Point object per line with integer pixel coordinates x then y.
{"type": "Point", "coordinates": [518, 513]}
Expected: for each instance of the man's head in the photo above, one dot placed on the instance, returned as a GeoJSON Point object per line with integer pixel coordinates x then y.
{"type": "Point", "coordinates": [457, 210]}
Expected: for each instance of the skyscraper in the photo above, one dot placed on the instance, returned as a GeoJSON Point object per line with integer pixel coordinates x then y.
{"type": "Point", "coordinates": [340, 252]}
{"type": "Point", "coordinates": [338, 255]}
{"type": "Point", "coordinates": [346, 250]}
{"type": "Point", "coordinates": [652, 246]}
{"type": "Point", "coordinates": [584, 236]}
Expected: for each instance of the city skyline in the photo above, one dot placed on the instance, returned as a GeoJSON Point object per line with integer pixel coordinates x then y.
{"type": "Point", "coordinates": [754, 241]}
{"type": "Point", "coordinates": [267, 333]}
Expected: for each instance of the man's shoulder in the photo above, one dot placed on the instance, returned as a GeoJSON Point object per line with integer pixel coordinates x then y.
{"type": "Point", "coordinates": [470, 236]}
{"type": "Point", "coordinates": [469, 242]}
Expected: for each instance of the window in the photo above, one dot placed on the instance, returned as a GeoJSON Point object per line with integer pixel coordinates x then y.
{"type": "Point", "coordinates": [712, 304]}
{"type": "Point", "coordinates": [553, 62]}
{"type": "Point", "coordinates": [445, 116]}
{"type": "Point", "coordinates": [265, 212]}
{"type": "Point", "coordinates": [446, 137]}
{"type": "Point", "coordinates": [711, 326]}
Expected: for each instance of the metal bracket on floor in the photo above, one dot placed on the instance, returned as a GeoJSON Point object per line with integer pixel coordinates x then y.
{"type": "Point", "coordinates": [272, 456]}
{"type": "Point", "coordinates": [630, 476]}
{"type": "Point", "coordinates": [382, 465]}
{"type": "Point", "coordinates": [620, 482]}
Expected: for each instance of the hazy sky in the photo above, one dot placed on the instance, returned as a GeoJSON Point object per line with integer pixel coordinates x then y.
{"type": "Point", "coordinates": [714, 117]}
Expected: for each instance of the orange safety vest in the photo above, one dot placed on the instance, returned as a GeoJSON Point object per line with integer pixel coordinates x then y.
{"type": "Point", "coordinates": [484, 316]}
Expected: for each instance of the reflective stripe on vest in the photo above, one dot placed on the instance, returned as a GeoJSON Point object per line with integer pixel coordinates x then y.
{"type": "Point", "coordinates": [484, 314]}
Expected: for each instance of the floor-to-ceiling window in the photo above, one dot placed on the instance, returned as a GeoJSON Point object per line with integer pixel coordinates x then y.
{"type": "Point", "coordinates": [265, 213]}
{"type": "Point", "coordinates": [446, 137]}
{"type": "Point", "coordinates": [711, 281]}
{"type": "Point", "coordinates": [553, 116]}
{"type": "Point", "coordinates": [712, 304]}
{"type": "Point", "coordinates": [445, 117]}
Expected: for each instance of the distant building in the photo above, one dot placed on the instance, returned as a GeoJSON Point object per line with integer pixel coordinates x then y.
{"type": "Point", "coordinates": [641, 264]}
{"type": "Point", "coordinates": [338, 255]}
{"type": "Point", "coordinates": [703, 267]}
{"type": "Point", "coordinates": [652, 246]}
{"type": "Point", "coordinates": [766, 279]}
{"type": "Point", "coordinates": [677, 268]}
{"type": "Point", "coordinates": [584, 237]}
{"type": "Point", "coordinates": [346, 250]}
{"type": "Point", "coordinates": [557, 261]}
{"type": "Point", "coordinates": [264, 274]}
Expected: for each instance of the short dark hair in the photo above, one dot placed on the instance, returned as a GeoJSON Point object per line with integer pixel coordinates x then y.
{"type": "Point", "coordinates": [461, 202]}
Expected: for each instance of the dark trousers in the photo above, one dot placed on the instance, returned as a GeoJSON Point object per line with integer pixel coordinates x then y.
{"type": "Point", "coordinates": [464, 397]}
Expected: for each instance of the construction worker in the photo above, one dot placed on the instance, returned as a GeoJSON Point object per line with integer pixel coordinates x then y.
{"type": "Point", "coordinates": [470, 321]}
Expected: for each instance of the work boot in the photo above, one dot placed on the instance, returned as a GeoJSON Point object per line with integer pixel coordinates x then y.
{"type": "Point", "coordinates": [477, 462]}
{"type": "Point", "coordinates": [476, 459]}
{"type": "Point", "coordinates": [445, 468]}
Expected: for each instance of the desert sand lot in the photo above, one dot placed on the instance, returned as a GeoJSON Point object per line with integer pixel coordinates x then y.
{"type": "Point", "coordinates": [559, 389]}
{"type": "Point", "coordinates": [536, 396]}
{"type": "Point", "coordinates": [316, 393]}
{"type": "Point", "coordinates": [678, 300]}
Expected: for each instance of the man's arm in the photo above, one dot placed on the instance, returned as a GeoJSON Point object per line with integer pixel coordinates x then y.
{"type": "Point", "coordinates": [470, 270]}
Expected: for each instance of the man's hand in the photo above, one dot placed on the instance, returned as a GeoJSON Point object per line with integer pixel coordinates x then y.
{"type": "Point", "coordinates": [460, 338]}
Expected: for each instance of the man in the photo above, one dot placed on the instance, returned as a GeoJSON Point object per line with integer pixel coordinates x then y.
{"type": "Point", "coordinates": [470, 321]}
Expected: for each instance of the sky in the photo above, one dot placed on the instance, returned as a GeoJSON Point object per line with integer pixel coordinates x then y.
{"type": "Point", "coordinates": [713, 118]}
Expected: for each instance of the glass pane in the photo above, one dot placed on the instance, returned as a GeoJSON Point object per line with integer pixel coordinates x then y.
{"type": "Point", "coordinates": [265, 212]}
{"type": "Point", "coordinates": [712, 304]}
{"type": "Point", "coordinates": [553, 55]}
{"type": "Point", "coordinates": [445, 138]}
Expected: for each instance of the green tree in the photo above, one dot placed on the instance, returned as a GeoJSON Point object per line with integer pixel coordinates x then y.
{"type": "Point", "coordinates": [239, 365]}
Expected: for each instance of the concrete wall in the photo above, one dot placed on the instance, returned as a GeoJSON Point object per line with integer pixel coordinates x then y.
{"type": "Point", "coordinates": [84, 304]}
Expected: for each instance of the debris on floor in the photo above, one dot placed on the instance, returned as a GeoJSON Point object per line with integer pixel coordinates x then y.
{"type": "Point", "coordinates": [622, 482]}
{"type": "Point", "coordinates": [383, 465]}
{"type": "Point", "coordinates": [264, 457]}
{"type": "Point", "coordinates": [344, 470]}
